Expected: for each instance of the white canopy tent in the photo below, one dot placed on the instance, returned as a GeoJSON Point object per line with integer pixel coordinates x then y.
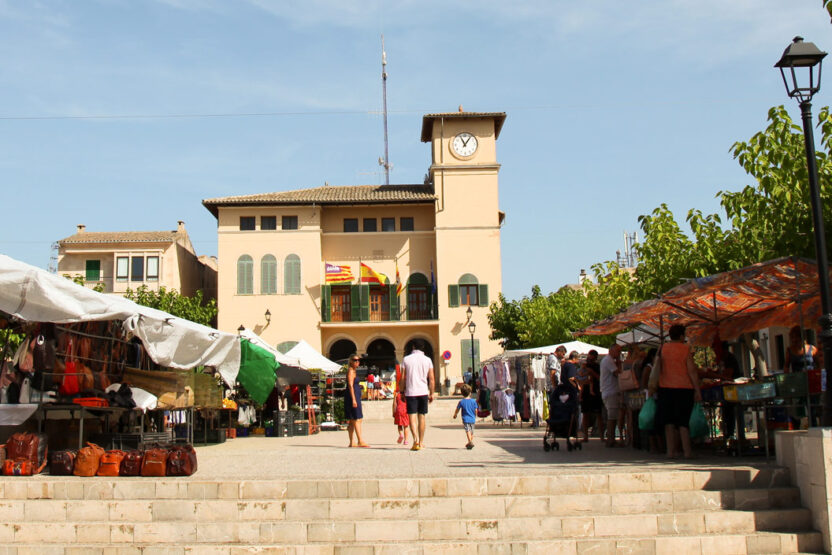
{"type": "Point", "coordinates": [308, 358]}
{"type": "Point", "coordinates": [580, 346]}
{"type": "Point", "coordinates": [35, 295]}
{"type": "Point", "coordinates": [646, 336]}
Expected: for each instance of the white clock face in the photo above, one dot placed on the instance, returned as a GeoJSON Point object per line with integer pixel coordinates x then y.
{"type": "Point", "coordinates": [464, 144]}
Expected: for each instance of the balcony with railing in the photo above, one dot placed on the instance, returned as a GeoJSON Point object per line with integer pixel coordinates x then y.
{"type": "Point", "coordinates": [377, 303]}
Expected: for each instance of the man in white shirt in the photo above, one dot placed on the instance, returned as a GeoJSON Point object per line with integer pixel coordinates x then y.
{"type": "Point", "coordinates": [418, 385]}
{"type": "Point", "coordinates": [610, 393]}
{"type": "Point", "coordinates": [553, 365]}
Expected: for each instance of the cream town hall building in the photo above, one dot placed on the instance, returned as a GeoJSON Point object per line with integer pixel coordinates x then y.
{"type": "Point", "coordinates": [443, 236]}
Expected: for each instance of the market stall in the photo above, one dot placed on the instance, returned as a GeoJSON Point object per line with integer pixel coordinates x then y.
{"type": "Point", "coordinates": [78, 342]}
{"type": "Point", "coordinates": [723, 307]}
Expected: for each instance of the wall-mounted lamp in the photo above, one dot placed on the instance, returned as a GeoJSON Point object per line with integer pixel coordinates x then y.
{"type": "Point", "coordinates": [268, 316]}
{"type": "Point", "coordinates": [469, 313]}
{"type": "Point", "coordinates": [241, 329]}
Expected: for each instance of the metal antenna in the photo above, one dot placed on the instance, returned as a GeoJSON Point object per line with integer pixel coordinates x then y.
{"type": "Point", "coordinates": [385, 162]}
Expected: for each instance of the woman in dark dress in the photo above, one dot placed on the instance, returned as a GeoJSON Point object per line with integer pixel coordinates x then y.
{"type": "Point", "coordinates": [589, 377]}
{"type": "Point", "coordinates": [352, 404]}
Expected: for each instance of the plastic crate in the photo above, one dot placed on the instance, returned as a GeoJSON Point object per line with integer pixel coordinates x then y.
{"type": "Point", "coordinates": [284, 429]}
{"type": "Point", "coordinates": [756, 391]}
{"type": "Point", "coordinates": [300, 428]}
{"type": "Point", "coordinates": [230, 433]}
{"type": "Point", "coordinates": [792, 385]}
{"type": "Point", "coordinates": [216, 436]}
{"type": "Point", "coordinates": [242, 432]}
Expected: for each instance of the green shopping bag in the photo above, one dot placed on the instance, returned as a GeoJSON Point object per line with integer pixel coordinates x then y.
{"type": "Point", "coordinates": [647, 415]}
{"type": "Point", "coordinates": [698, 424]}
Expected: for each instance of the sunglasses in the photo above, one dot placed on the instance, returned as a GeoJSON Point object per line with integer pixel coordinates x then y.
{"type": "Point", "coordinates": [355, 360]}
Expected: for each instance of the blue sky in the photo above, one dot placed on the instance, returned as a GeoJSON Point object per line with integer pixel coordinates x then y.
{"type": "Point", "coordinates": [123, 115]}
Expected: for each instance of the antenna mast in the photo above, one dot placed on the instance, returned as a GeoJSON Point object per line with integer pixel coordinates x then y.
{"type": "Point", "coordinates": [385, 162]}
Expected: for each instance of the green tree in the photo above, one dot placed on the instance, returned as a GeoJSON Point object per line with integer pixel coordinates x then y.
{"type": "Point", "coordinates": [195, 308]}
{"type": "Point", "coordinates": [80, 280]}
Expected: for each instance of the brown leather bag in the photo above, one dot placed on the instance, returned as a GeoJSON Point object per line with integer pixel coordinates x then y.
{"type": "Point", "coordinates": [110, 463]}
{"type": "Point", "coordinates": [154, 462]}
{"type": "Point", "coordinates": [89, 457]}
{"type": "Point", "coordinates": [62, 463]}
{"type": "Point", "coordinates": [28, 446]}
{"type": "Point", "coordinates": [22, 445]}
{"type": "Point", "coordinates": [131, 464]}
{"type": "Point", "coordinates": [181, 460]}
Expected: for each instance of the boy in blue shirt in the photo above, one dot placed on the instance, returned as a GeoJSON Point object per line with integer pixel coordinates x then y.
{"type": "Point", "coordinates": [468, 407]}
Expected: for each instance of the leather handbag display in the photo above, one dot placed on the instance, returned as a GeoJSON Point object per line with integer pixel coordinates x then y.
{"type": "Point", "coordinates": [110, 464]}
{"type": "Point", "coordinates": [62, 463]}
{"type": "Point", "coordinates": [131, 464]}
{"type": "Point", "coordinates": [181, 460]}
{"type": "Point", "coordinates": [28, 446]}
{"type": "Point", "coordinates": [154, 462]}
{"type": "Point", "coordinates": [89, 457]}
{"type": "Point", "coordinates": [19, 467]}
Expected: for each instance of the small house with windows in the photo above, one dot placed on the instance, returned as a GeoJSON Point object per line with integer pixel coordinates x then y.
{"type": "Point", "coordinates": [368, 268]}
{"type": "Point", "coordinates": [120, 260]}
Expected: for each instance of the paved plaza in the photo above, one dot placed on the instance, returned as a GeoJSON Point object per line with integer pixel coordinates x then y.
{"type": "Point", "coordinates": [499, 450]}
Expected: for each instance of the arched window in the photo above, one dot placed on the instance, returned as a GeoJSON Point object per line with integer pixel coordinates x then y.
{"type": "Point", "coordinates": [418, 297]}
{"type": "Point", "coordinates": [291, 275]}
{"type": "Point", "coordinates": [245, 275]}
{"type": "Point", "coordinates": [268, 275]}
{"type": "Point", "coordinates": [468, 290]}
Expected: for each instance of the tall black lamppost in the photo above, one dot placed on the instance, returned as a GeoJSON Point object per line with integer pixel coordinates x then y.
{"type": "Point", "coordinates": [472, 327]}
{"type": "Point", "coordinates": [804, 57]}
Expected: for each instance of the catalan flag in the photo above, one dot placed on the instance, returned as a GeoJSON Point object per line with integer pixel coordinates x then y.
{"type": "Point", "coordinates": [368, 275]}
{"type": "Point", "coordinates": [338, 274]}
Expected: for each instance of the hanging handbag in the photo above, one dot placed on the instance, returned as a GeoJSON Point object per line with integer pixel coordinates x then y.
{"type": "Point", "coordinates": [69, 386]}
{"type": "Point", "coordinates": [655, 373]}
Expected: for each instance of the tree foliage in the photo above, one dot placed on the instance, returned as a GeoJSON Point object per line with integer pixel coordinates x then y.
{"type": "Point", "coordinates": [195, 308]}
{"type": "Point", "coordinates": [768, 219]}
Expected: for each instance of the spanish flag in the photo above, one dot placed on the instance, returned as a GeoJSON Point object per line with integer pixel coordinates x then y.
{"type": "Point", "coordinates": [399, 286]}
{"type": "Point", "coordinates": [338, 274]}
{"type": "Point", "coordinates": [368, 275]}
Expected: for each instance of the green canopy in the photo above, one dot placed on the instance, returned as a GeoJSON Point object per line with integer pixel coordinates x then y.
{"type": "Point", "coordinates": [257, 371]}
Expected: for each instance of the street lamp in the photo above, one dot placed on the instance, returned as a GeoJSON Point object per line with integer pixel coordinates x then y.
{"type": "Point", "coordinates": [802, 58]}
{"type": "Point", "coordinates": [472, 327]}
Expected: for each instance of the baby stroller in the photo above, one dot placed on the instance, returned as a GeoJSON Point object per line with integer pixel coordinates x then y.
{"type": "Point", "coordinates": [563, 418]}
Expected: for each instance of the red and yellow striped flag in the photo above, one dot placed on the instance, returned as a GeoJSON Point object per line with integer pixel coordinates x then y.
{"type": "Point", "coordinates": [368, 275]}
{"type": "Point", "coordinates": [338, 274]}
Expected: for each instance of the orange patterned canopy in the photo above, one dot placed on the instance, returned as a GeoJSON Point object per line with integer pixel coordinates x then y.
{"type": "Point", "coordinates": [779, 292]}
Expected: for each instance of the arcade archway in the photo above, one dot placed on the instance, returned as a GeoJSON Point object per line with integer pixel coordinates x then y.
{"type": "Point", "coordinates": [341, 350]}
{"type": "Point", "coordinates": [381, 354]}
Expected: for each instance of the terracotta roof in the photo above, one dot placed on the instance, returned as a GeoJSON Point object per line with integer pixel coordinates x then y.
{"type": "Point", "coordinates": [87, 237]}
{"type": "Point", "coordinates": [329, 195]}
{"type": "Point", "coordinates": [427, 121]}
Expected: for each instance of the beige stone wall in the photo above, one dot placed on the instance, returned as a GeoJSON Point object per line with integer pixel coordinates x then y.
{"type": "Point", "coordinates": [293, 316]}
{"type": "Point", "coordinates": [808, 456]}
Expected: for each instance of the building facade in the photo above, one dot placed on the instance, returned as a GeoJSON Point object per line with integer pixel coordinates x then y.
{"type": "Point", "coordinates": [441, 237]}
{"type": "Point", "coordinates": [130, 259]}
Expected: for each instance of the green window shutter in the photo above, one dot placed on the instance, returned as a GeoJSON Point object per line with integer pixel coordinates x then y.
{"type": "Point", "coordinates": [482, 290]}
{"type": "Point", "coordinates": [453, 295]}
{"type": "Point", "coordinates": [465, 355]}
{"type": "Point", "coordinates": [365, 302]}
{"type": "Point", "coordinates": [326, 301]}
{"type": "Point", "coordinates": [93, 272]}
{"type": "Point", "coordinates": [407, 300]}
{"type": "Point", "coordinates": [434, 304]}
{"type": "Point", "coordinates": [355, 303]}
{"type": "Point", "coordinates": [394, 303]}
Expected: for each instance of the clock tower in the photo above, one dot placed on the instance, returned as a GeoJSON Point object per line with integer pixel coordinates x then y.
{"type": "Point", "coordinates": [464, 172]}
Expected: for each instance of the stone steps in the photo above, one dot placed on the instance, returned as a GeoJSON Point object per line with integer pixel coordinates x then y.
{"type": "Point", "coordinates": [216, 510]}
{"type": "Point", "coordinates": [743, 510]}
{"type": "Point", "coordinates": [753, 543]}
{"type": "Point", "coordinates": [169, 529]}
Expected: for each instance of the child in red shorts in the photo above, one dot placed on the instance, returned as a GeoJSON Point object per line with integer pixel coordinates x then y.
{"type": "Point", "coordinates": [400, 418]}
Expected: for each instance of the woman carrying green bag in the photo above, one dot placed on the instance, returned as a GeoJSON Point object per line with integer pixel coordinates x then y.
{"type": "Point", "coordinates": [678, 391]}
